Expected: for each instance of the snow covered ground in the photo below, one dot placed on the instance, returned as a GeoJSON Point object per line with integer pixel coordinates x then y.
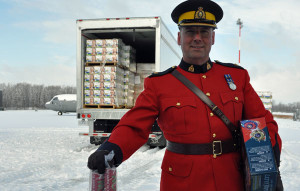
{"type": "Point", "coordinates": [42, 151]}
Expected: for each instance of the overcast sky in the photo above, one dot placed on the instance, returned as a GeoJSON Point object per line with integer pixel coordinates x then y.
{"type": "Point", "coordinates": [38, 38]}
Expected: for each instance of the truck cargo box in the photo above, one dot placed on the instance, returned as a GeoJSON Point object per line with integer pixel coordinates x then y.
{"type": "Point", "coordinates": [114, 56]}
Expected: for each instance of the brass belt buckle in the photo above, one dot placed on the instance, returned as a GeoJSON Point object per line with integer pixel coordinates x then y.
{"type": "Point", "coordinates": [214, 148]}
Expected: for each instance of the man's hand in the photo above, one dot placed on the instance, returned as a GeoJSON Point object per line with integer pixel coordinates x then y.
{"type": "Point", "coordinates": [97, 161]}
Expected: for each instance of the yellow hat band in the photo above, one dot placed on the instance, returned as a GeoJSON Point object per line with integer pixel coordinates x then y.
{"type": "Point", "coordinates": [197, 15]}
{"type": "Point", "coordinates": [199, 24]}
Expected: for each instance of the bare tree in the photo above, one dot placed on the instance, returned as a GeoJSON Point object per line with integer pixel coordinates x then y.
{"type": "Point", "coordinates": [24, 95]}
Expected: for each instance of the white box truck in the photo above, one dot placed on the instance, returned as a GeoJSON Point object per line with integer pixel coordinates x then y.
{"type": "Point", "coordinates": [109, 49]}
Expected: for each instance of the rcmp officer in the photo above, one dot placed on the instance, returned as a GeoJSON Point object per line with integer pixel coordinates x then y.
{"type": "Point", "coordinates": [201, 153]}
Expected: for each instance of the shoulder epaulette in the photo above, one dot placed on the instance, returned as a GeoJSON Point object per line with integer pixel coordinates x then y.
{"type": "Point", "coordinates": [155, 74]}
{"type": "Point", "coordinates": [229, 65]}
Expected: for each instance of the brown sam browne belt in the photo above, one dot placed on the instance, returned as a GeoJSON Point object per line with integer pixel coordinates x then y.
{"type": "Point", "coordinates": [215, 148]}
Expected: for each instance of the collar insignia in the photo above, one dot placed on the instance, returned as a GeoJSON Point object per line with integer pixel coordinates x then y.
{"type": "Point", "coordinates": [191, 68]}
{"type": "Point", "coordinates": [200, 14]}
{"type": "Point", "coordinates": [208, 66]}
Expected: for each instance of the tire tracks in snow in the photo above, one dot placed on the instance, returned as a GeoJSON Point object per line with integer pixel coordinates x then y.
{"type": "Point", "coordinates": [140, 170]}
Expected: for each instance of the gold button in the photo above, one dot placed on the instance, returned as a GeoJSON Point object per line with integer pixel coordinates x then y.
{"type": "Point", "coordinates": [204, 76]}
{"type": "Point", "coordinates": [236, 98]}
{"type": "Point", "coordinates": [214, 135]}
{"type": "Point", "coordinates": [170, 169]}
{"type": "Point", "coordinates": [211, 114]}
{"type": "Point", "coordinates": [208, 94]}
{"type": "Point", "coordinates": [178, 104]}
{"type": "Point", "coordinates": [215, 156]}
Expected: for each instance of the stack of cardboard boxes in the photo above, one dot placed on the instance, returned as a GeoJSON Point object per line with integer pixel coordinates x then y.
{"type": "Point", "coordinates": [104, 50]}
{"type": "Point", "coordinates": [108, 79]}
{"type": "Point", "coordinates": [104, 85]}
{"type": "Point", "coordinates": [143, 71]}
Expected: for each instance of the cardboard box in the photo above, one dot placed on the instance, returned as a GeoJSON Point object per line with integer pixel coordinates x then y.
{"type": "Point", "coordinates": [89, 77]}
{"type": "Point", "coordinates": [89, 100]}
{"type": "Point", "coordinates": [100, 58]}
{"type": "Point", "coordinates": [105, 85]}
{"type": "Point", "coordinates": [87, 70]}
{"type": "Point", "coordinates": [98, 93]}
{"type": "Point", "coordinates": [96, 86]}
{"type": "Point", "coordinates": [129, 49]}
{"type": "Point", "coordinates": [97, 69]}
{"type": "Point", "coordinates": [114, 43]}
{"type": "Point", "coordinates": [90, 43]}
{"type": "Point", "coordinates": [145, 68]}
{"type": "Point", "coordinates": [260, 165]}
{"type": "Point", "coordinates": [88, 93]}
{"type": "Point", "coordinates": [99, 43]}
{"type": "Point", "coordinates": [97, 100]}
{"type": "Point", "coordinates": [90, 51]}
{"type": "Point", "coordinates": [100, 51]}
{"type": "Point", "coordinates": [112, 51]}
{"type": "Point", "coordinates": [109, 101]}
{"type": "Point", "coordinates": [90, 58]}
{"type": "Point", "coordinates": [109, 93]}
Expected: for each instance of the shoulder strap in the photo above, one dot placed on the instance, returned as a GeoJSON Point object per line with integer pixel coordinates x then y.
{"type": "Point", "coordinates": [232, 128]}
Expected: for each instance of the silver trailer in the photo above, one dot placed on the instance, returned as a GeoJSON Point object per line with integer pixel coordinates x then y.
{"type": "Point", "coordinates": [153, 43]}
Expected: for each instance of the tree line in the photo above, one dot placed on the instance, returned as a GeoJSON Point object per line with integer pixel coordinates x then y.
{"type": "Point", "coordinates": [288, 108]}
{"type": "Point", "coordinates": [26, 96]}
{"type": "Point", "coordinates": [29, 96]}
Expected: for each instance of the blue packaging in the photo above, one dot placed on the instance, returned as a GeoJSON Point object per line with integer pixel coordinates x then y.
{"type": "Point", "coordinates": [259, 161]}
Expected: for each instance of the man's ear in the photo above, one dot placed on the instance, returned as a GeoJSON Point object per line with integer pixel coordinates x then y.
{"type": "Point", "coordinates": [213, 38]}
{"type": "Point", "coordinates": [179, 39]}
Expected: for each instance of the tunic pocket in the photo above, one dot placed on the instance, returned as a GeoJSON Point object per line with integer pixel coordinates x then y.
{"type": "Point", "coordinates": [179, 168]}
{"type": "Point", "coordinates": [176, 173]}
{"type": "Point", "coordinates": [177, 115]}
{"type": "Point", "coordinates": [233, 105]}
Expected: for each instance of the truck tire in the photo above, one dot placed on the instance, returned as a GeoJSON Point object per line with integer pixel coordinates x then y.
{"type": "Point", "coordinates": [160, 142]}
{"type": "Point", "coordinates": [97, 140]}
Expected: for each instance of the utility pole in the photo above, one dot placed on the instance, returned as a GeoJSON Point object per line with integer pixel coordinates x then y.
{"type": "Point", "coordinates": [240, 23]}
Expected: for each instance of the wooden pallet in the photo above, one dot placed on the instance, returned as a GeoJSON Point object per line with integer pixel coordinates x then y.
{"type": "Point", "coordinates": [101, 63]}
{"type": "Point", "coordinates": [106, 64]}
{"type": "Point", "coordinates": [128, 107]}
{"type": "Point", "coordinates": [90, 106]}
{"type": "Point", "coordinates": [103, 106]}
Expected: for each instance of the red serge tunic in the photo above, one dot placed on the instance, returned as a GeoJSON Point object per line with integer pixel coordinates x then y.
{"type": "Point", "coordinates": [184, 118]}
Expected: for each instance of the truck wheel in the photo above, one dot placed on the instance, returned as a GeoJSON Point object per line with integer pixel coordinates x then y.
{"type": "Point", "coordinates": [97, 140]}
{"type": "Point", "coordinates": [59, 113]}
{"type": "Point", "coordinates": [161, 147]}
{"type": "Point", "coordinates": [161, 142]}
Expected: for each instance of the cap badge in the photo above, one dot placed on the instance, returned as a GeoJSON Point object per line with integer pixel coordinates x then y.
{"type": "Point", "coordinates": [191, 68]}
{"type": "Point", "coordinates": [230, 81]}
{"type": "Point", "coordinates": [200, 14]}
